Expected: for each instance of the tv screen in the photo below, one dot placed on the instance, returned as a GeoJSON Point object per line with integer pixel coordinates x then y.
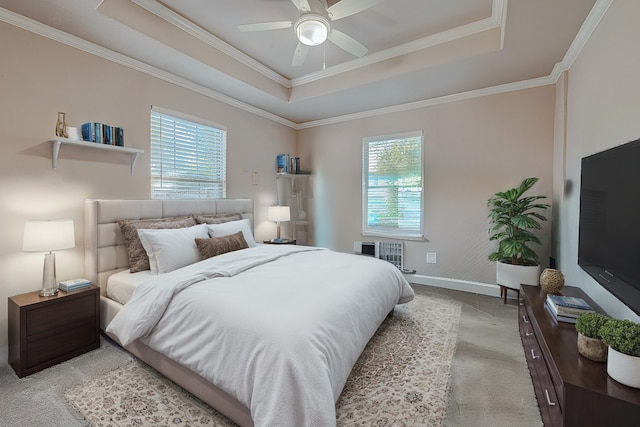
{"type": "Point", "coordinates": [609, 241]}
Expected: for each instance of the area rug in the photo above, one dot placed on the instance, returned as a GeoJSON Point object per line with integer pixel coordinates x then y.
{"type": "Point", "coordinates": [401, 379]}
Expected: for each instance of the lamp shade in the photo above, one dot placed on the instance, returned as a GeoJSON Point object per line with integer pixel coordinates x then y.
{"type": "Point", "coordinates": [279, 213]}
{"type": "Point", "coordinates": [45, 236]}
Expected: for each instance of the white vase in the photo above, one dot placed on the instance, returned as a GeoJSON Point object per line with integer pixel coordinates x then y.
{"type": "Point", "coordinates": [512, 276]}
{"type": "Point", "coordinates": [623, 368]}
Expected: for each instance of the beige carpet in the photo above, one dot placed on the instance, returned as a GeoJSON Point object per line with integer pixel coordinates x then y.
{"type": "Point", "coordinates": [401, 379]}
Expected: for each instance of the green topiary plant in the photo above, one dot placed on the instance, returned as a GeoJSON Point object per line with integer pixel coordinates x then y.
{"type": "Point", "coordinates": [511, 216]}
{"type": "Point", "coordinates": [589, 324]}
{"type": "Point", "coordinates": [622, 336]}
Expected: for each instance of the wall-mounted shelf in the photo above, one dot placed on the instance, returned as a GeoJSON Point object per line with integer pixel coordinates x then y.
{"type": "Point", "coordinates": [56, 143]}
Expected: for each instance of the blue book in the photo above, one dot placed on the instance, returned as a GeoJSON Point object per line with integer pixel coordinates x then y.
{"type": "Point", "coordinates": [570, 302]}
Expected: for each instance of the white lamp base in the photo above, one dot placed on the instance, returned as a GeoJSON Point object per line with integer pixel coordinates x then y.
{"type": "Point", "coordinates": [49, 285]}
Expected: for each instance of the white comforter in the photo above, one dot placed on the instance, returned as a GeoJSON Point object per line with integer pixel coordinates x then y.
{"type": "Point", "coordinates": [278, 327]}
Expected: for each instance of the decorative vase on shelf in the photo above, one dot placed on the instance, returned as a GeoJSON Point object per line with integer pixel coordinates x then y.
{"type": "Point", "coordinates": [592, 348]}
{"type": "Point", "coordinates": [61, 126]}
{"type": "Point", "coordinates": [624, 368]}
{"type": "Point", "coordinates": [552, 280]}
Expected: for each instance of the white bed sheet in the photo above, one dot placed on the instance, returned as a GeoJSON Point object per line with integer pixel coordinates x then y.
{"type": "Point", "coordinates": [121, 285]}
{"type": "Point", "coordinates": [279, 328]}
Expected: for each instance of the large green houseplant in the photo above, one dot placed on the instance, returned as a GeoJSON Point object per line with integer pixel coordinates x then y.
{"type": "Point", "coordinates": [512, 219]}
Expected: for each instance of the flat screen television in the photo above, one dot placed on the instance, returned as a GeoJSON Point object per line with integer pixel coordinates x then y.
{"type": "Point", "coordinates": [609, 240]}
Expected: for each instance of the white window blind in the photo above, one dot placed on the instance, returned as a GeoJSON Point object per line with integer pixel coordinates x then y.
{"type": "Point", "coordinates": [392, 185]}
{"type": "Point", "coordinates": [188, 157]}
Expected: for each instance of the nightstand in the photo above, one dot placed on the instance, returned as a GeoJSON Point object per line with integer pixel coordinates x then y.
{"type": "Point", "coordinates": [280, 242]}
{"type": "Point", "coordinates": [44, 331]}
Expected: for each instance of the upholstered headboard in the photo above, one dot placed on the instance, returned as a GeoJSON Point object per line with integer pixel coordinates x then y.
{"type": "Point", "coordinates": [105, 252]}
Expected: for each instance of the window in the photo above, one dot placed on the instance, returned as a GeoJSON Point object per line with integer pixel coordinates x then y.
{"type": "Point", "coordinates": [188, 157]}
{"type": "Point", "coordinates": [392, 185]}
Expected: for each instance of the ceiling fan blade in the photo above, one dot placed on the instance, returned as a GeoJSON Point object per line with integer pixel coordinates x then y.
{"type": "Point", "coordinates": [300, 55]}
{"type": "Point", "coordinates": [347, 43]}
{"type": "Point", "coordinates": [346, 8]}
{"type": "Point", "coordinates": [263, 26]}
{"type": "Point", "coordinates": [302, 5]}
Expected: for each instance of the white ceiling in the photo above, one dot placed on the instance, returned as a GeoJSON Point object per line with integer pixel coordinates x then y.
{"type": "Point", "coordinates": [418, 50]}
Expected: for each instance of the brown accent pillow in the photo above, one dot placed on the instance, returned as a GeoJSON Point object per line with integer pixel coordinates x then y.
{"type": "Point", "coordinates": [221, 245]}
{"type": "Point", "coordinates": [138, 259]}
{"type": "Point", "coordinates": [217, 218]}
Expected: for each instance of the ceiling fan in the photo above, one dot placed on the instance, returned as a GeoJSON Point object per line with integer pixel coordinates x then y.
{"type": "Point", "coordinates": [313, 27]}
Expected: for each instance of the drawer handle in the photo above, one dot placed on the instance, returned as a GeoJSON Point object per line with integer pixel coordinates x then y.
{"type": "Point", "coordinates": [528, 334]}
{"type": "Point", "coordinates": [533, 355]}
{"type": "Point", "coordinates": [524, 319]}
{"type": "Point", "coordinates": [549, 402]}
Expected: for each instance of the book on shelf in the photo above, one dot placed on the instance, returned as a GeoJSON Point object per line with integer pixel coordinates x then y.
{"type": "Point", "coordinates": [568, 310]}
{"type": "Point", "coordinates": [559, 317]}
{"type": "Point", "coordinates": [73, 284]}
{"type": "Point", "coordinates": [569, 302]}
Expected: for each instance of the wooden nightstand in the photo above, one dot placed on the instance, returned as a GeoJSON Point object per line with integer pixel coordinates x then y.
{"type": "Point", "coordinates": [44, 331]}
{"type": "Point", "coordinates": [280, 242]}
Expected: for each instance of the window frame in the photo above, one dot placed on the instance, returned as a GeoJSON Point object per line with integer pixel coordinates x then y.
{"type": "Point", "coordinates": [391, 233]}
{"type": "Point", "coordinates": [194, 121]}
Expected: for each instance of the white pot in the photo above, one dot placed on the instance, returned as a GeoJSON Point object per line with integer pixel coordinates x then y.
{"type": "Point", "coordinates": [512, 276]}
{"type": "Point", "coordinates": [623, 368]}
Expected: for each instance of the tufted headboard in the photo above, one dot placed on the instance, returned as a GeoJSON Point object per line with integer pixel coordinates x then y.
{"type": "Point", "coordinates": [105, 252]}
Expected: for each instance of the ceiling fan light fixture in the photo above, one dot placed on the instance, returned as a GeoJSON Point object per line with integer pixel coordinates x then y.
{"type": "Point", "coordinates": [312, 29]}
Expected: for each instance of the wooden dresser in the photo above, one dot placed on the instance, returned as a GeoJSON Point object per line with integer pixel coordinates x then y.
{"type": "Point", "coordinates": [44, 331]}
{"type": "Point", "coordinates": [571, 389]}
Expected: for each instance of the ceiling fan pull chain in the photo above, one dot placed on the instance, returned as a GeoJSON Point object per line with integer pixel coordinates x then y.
{"type": "Point", "coordinates": [324, 56]}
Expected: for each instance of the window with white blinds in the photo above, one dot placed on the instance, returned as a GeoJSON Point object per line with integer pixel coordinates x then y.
{"type": "Point", "coordinates": [392, 185]}
{"type": "Point", "coordinates": [188, 157]}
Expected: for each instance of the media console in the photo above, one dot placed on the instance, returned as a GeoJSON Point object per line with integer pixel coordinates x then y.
{"type": "Point", "coordinates": [571, 390]}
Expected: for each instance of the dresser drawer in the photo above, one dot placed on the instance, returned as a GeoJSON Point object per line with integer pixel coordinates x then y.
{"type": "Point", "coordinates": [63, 315]}
{"type": "Point", "coordinates": [544, 387]}
{"type": "Point", "coordinates": [61, 344]}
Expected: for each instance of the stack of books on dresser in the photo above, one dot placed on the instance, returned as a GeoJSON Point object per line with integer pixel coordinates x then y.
{"type": "Point", "coordinates": [567, 309]}
{"type": "Point", "coordinates": [74, 284]}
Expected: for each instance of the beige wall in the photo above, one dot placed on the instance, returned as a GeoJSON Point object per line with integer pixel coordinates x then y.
{"type": "Point", "coordinates": [603, 104]}
{"type": "Point", "coordinates": [38, 78]}
{"type": "Point", "coordinates": [473, 149]}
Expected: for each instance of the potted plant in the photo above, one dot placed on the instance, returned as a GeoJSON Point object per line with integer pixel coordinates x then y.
{"type": "Point", "coordinates": [512, 216]}
{"type": "Point", "coordinates": [623, 360]}
{"type": "Point", "coordinates": [590, 343]}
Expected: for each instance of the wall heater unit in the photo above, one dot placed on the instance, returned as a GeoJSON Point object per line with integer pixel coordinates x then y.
{"type": "Point", "coordinates": [388, 251]}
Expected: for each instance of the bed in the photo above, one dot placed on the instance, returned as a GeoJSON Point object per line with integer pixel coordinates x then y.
{"type": "Point", "coordinates": [266, 334]}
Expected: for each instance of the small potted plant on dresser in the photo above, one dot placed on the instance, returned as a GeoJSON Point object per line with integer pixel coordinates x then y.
{"type": "Point", "coordinates": [512, 216]}
{"type": "Point", "coordinates": [590, 343]}
{"type": "Point", "coordinates": [623, 360]}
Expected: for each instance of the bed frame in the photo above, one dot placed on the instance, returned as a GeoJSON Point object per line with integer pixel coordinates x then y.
{"type": "Point", "coordinates": [106, 254]}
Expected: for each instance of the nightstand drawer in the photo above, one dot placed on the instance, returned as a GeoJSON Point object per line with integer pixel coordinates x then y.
{"type": "Point", "coordinates": [61, 344]}
{"type": "Point", "coordinates": [64, 315]}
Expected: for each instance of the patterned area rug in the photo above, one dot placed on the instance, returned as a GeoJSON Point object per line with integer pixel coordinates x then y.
{"type": "Point", "coordinates": [401, 379]}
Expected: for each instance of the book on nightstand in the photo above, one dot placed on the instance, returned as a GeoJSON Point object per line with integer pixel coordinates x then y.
{"type": "Point", "coordinates": [74, 284]}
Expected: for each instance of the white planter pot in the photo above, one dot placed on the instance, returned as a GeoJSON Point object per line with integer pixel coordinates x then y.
{"type": "Point", "coordinates": [623, 368]}
{"type": "Point", "coordinates": [512, 276]}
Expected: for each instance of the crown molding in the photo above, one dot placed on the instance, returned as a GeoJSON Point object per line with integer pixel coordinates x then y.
{"type": "Point", "coordinates": [589, 25]}
{"type": "Point", "coordinates": [76, 42]}
{"type": "Point", "coordinates": [591, 22]}
{"type": "Point", "coordinates": [494, 90]}
{"type": "Point", "coordinates": [203, 35]}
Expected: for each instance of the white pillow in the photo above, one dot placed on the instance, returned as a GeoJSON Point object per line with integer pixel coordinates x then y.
{"type": "Point", "coordinates": [170, 249]}
{"type": "Point", "coordinates": [232, 227]}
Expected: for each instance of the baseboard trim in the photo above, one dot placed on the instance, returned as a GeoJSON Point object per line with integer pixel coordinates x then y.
{"type": "Point", "coordinates": [457, 285]}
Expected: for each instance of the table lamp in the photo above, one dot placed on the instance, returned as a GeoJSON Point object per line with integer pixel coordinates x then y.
{"type": "Point", "coordinates": [48, 236]}
{"type": "Point", "coordinates": [278, 214]}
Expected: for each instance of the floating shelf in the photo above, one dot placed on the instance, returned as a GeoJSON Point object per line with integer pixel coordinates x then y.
{"type": "Point", "coordinates": [56, 143]}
